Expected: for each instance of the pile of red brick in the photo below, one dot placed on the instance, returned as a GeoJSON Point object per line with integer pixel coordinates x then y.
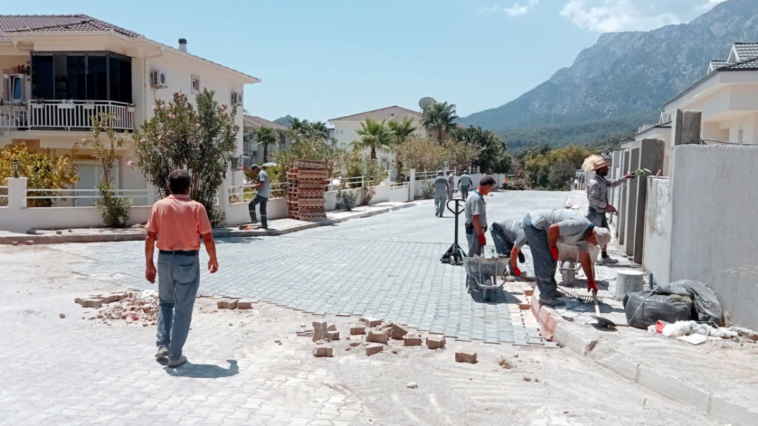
{"type": "Point", "coordinates": [305, 190]}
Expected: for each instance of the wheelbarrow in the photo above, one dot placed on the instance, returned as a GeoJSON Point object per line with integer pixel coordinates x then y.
{"type": "Point", "coordinates": [483, 273]}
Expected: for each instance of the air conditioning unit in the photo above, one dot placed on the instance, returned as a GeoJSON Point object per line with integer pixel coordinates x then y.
{"type": "Point", "coordinates": [158, 79]}
{"type": "Point", "coordinates": [237, 98]}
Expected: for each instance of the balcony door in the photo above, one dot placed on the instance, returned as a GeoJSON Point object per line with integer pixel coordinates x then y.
{"type": "Point", "coordinates": [82, 76]}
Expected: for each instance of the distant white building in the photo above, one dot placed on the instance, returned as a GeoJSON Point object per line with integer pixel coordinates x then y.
{"type": "Point", "coordinates": [727, 95]}
{"type": "Point", "coordinates": [346, 128]}
{"type": "Point", "coordinates": [252, 150]}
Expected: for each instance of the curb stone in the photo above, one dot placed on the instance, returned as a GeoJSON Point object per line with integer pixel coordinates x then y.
{"type": "Point", "coordinates": [553, 325]}
{"type": "Point", "coordinates": [217, 233]}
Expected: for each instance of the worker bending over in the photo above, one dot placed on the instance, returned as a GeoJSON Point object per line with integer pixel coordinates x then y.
{"type": "Point", "coordinates": [509, 238]}
{"type": "Point", "coordinates": [544, 228]}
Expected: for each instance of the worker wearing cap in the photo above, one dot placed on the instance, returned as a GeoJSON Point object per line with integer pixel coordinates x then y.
{"type": "Point", "coordinates": [509, 238]}
{"type": "Point", "coordinates": [597, 194]}
{"type": "Point", "coordinates": [464, 184]}
{"type": "Point", "coordinates": [263, 187]}
{"type": "Point", "coordinates": [450, 185]}
{"type": "Point", "coordinates": [544, 229]}
{"type": "Point", "coordinates": [440, 193]}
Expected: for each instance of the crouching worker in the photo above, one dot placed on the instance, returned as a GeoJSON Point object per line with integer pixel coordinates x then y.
{"type": "Point", "coordinates": [509, 238]}
{"type": "Point", "coordinates": [544, 229]}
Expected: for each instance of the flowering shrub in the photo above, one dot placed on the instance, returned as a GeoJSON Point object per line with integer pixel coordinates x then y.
{"type": "Point", "coordinates": [181, 136]}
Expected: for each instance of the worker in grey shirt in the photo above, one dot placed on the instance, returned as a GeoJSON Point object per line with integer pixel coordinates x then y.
{"type": "Point", "coordinates": [440, 193]}
{"type": "Point", "coordinates": [476, 220]}
{"type": "Point", "coordinates": [597, 194]}
{"type": "Point", "coordinates": [263, 186]}
{"type": "Point", "coordinates": [509, 237]}
{"type": "Point", "coordinates": [450, 185]}
{"type": "Point", "coordinates": [464, 184]}
{"type": "Point", "coordinates": [544, 228]}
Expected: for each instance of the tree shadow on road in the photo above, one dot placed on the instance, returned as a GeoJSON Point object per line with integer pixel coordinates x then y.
{"type": "Point", "coordinates": [204, 371]}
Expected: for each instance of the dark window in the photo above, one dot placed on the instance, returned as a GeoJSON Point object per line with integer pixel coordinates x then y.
{"type": "Point", "coordinates": [97, 78]}
{"type": "Point", "coordinates": [120, 76]}
{"type": "Point", "coordinates": [60, 67]}
{"type": "Point", "coordinates": [43, 79]}
{"type": "Point", "coordinates": [77, 77]}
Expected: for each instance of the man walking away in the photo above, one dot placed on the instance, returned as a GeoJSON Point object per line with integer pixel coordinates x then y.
{"type": "Point", "coordinates": [476, 220]}
{"type": "Point", "coordinates": [544, 228]}
{"type": "Point", "coordinates": [509, 238]}
{"type": "Point", "coordinates": [175, 226]}
{"type": "Point", "coordinates": [263, 185]}
{"type": "Point", "coordinates": [464, 183]}
{"type": "Point", "coordinates": [597, 193]}
{"type": "Point", "coordinates": [450, 185]}
{"type": "Point", "coordinates": [440, 193]}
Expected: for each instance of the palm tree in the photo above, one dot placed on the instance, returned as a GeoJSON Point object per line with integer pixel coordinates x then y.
{"type": "Point", "coordinates": [401, 129]}
{"type": "Point", "coordinates": [265, 136]}
{"type": "Point", "coordinates": [320, 130]}
{"type": "Point", "coordinates": [375, 135]}
{"type": "Point", "coordinates": [299, 127]}
{"type": "Point", "coordinates": [440, 117]}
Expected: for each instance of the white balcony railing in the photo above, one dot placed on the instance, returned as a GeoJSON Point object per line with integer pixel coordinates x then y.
{"type": "Point", "coordinates": [65, 115]}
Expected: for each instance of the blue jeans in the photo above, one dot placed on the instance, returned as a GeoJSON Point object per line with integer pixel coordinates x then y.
{"type": "Point", "coordinates": [178, 281]}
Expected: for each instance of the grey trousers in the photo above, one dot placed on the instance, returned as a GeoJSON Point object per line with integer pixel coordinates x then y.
{"type": "Point", "coordinates": [464, 192]}
{"type": "Point", "coordinates": [263, 201]}
{"type": "Point", "coordinates": [544, 265]}
{"type": "Point", "coordinates": [502, 244]}
{"type": "Point", "coordinates": [178, 281]}
{"type": "Point", "coordinates": [474, 249]}
{"type": "Point", "coordinates": [439, 203]}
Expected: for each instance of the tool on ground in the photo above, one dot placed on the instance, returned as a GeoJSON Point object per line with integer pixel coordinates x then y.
{"type": "Point", "coordinates": [455, 254]}
{"type": "Point", "coordinates": [594, 300]}
{"type": "Point", "coordinates": [583, 297]}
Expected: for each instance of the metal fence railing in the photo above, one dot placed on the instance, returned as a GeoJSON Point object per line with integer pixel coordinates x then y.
{"type": "Point", "coordinates": [3, 196]}
{"type": "Point", "coordinates": [426, 175]}
{"type": "Point", "coordinates": [88, 197]}
{"type": "Point", "coordinates": [245, 193]}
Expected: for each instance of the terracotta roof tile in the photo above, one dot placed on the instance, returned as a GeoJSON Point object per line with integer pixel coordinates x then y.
{"type": "Point", "coordinates": [17, 24]}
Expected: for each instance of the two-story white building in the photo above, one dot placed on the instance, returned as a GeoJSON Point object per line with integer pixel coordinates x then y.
{"type": "Point", "coordinates": [727, 95]}
{"type": "Point", "coordinates": [59, 70]}
{"type": "Point", "coordinates": [346, 128]}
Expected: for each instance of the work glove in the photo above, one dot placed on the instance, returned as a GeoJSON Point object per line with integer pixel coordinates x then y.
{"type": "Point", "coordinates": [517, 272]}
{"type": "Point", "coordinates": [630, 176]}
{"type": "Point", "coordinates": [554, 251]}
{"type": "Point", "coordinates": [482, 239]}
{"type": "Point", "coordinates": [521, 257]}
{"type": "Point", "coordinates": [591, 284]}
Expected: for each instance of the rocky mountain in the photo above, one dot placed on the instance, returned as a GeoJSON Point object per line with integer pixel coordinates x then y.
{"type": "Point", "coordinates": [624, 74]}
{"type": "Point", "coordinates": [284, 121]}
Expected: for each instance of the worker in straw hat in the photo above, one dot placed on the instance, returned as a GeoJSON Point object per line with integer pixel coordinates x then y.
{"type": "Point", "coordinates": [544, 229]}
{"type": "Point", "coordinates": [597, 193]}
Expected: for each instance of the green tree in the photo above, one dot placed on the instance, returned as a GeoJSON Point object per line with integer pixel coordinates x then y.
{"type": "Point", "coordinates": [199, 139]}
{"type": "Point", "coordinates": [374, 135]}
{"type": "Point", "coordinates": [115, 210]}
{"type": "Point", "coordinates": [402, 129]}
{"type": "Point", "coordinates": [265, 136]}
{"type": "Point", "coordinates": [307, 148]}
{"type": "Point", "coordinates": [460, 155]}
{"type": "Point", "coordinates": [554, 168]}
{"type": "Point", "coordinates": [40, 169]}
{"type": "Point", "coordinates": [440, 117]}
{"type": "Point", "coordinates": [493, 152]}
{"type": "Point", "coordinates": [420, 154]}
{"type": "Point", "coordinates": [319, 130]}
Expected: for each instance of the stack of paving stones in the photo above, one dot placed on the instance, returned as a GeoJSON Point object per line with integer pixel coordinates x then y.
{"type": "Point", "coordinates": [306, 185]}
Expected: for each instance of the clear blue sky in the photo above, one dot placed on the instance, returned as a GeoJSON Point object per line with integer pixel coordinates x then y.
{"type": "Point", "coordinates": [329, 58]}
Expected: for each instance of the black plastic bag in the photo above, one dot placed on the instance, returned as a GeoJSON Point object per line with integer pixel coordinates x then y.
{"type": "Point", "coordinates": [670, 303]}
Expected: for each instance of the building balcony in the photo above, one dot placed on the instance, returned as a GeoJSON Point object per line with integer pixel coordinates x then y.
{"type": "Point", "coordinates": [66, 115]}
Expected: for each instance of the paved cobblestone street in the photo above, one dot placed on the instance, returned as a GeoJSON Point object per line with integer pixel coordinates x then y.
{"type": "Point", "coordinates": [62, 365]}
{"type": "Point", "coordinates": [385, 266]}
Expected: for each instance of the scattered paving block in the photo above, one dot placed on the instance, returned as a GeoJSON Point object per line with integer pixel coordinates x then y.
{"type": "Point", "coordinates": [323, 351]}
{"type": "Point", "coordinates": [354, 344]}
{"type": "Point", "coordinates": [371, 322]}
{"type": "Point", "coordinates": [465, 355]}
{"type": "Point", "coordinates": [318, 334]}
{"type": "Point", "coordinates": [333, 335]}
{"type": "Point", "coordinates": [331, 327]}
{"type": "Point", "coordinates": [398, 331]}
{"type": "Point", "coordinates": [435, 342]}
{"type": "Point", "coordinates": [374, 348]}
{"type": "Point", "coordinates": [411, 385]}
{"type": "Point", "coordinates": [357, 329]}
{"type": "Point", "coordinates": [90, 302]}
{"type": "Point", "coordinates": [227, 303]}
{"type": "Point", "coordinates": [377, 336]}
{"type": "Point", "coordinates": [414, 340]}
{"type": "Point", "coordinates": [62, 315]}
{"type": "Point", "coordinates": [245, 304]}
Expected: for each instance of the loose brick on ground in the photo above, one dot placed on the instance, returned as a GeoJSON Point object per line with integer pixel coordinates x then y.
{"type": "Point", "coordinates": [435, 342]}
{"type": "Point", "coordinates": [465, 355]}
{"type": "Point", "coordinates": [398, 331]}
{"type": "Point", "coordinates": [374, 348]}
{"type": "Point", "coordinates": [371, 322]}
{"type": "Point", "coordinates": [322, 351]}
{"type": "Point", "coordinates": [357, 329]}
{"type": "Point", "coordinates": [377, 336]}
{"type": "Point", "coordinates": [412, 340]}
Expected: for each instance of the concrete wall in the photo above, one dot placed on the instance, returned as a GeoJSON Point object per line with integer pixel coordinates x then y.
{"type": "Point", "coordinates": [25, 219]}
{"type": "Point", "coordinates": [656, 256]}
{"type": "Point", "coordinates": [399, 194]}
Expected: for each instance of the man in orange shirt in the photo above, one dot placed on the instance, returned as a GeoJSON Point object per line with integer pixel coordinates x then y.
{"type": "Point", "coordinates": [178, 223]}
